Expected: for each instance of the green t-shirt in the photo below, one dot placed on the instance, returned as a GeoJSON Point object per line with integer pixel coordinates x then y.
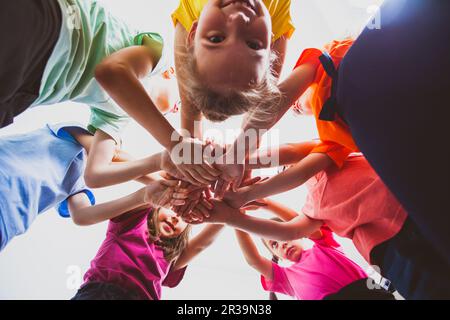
{"type": "Point", "coordinates": [89, 33]}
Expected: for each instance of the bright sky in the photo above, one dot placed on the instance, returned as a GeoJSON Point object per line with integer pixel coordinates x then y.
{"type": "Point", "coordinates": [48, 261]}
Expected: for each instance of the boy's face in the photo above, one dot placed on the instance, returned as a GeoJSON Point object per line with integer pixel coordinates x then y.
{"type": "Point", "coordinates": [286, 250]}
{"type": "Point", "coordinates": [170, 225]}
{"type": "Point", "coordinates": [232, 42]}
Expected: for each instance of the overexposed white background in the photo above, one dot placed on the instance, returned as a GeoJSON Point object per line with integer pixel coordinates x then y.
{"type": "Point", "coordinates": [50, 259]}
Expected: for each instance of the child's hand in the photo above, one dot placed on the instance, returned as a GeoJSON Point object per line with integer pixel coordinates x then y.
{"type": "Point", "coordinates": [255, 205]}
{"type": "Point", "coordinates": [220, 213]}
{"type": "Point", "coordinates": [165, 193]}
{"type": "Point", "coordinates": [240, 198]}
{"type": "Point", "coordinates": [231, 176]}
{"type": "Point", "coordinates": [168, 166]}
{"type": "Point", "coordinates": [189, 159]}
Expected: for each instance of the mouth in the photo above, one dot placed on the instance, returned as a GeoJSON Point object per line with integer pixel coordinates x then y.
{"type": "Point", "coordinates": [248, 4]}
{"type": "Point", "coordinates": [290, 251]}
{"type": "Point", "coordinates": [170, 225]}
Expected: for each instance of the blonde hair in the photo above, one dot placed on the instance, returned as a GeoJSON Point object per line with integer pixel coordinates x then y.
{"type": "Point", "coordinates": [261, 101]}
{"type": "Point", "coordinates": [172, 247]}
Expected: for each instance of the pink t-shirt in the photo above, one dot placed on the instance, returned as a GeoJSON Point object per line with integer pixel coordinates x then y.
{"type": "Point", "coordinates": [320, 272]}
{"type": "Point", "coordinates": [128, 258]}
{"type": "Point", "coordinates": [355, 203]}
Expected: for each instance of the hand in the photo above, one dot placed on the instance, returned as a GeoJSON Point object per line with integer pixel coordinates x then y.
{"type": "Point", "coordinates": [240, 198]}
{"type": "Point", "coordinates": [255, 205]}
{"type": "Point", "coordinates": [165, 193]}
{"type": "Point", "coordinates": [187, 155]}
{"type": "Point", "coordinates": [231, 176]}
{"type": "Point", "coordinates": [221, 213]}
{"type": "Point", "coordinates": [169, 167]}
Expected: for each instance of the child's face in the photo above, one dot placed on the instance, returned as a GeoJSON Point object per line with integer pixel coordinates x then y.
{"type": "Point", "coordinates": [286, 250]}
{"type": "Point", "coordinates": [232, 43]}
{"type": "Point", "coordinates": [170, 225]}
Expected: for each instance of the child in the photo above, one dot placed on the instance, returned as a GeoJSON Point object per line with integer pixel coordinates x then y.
{"type": "Point", "coordinates": [354, 203]}
{"type": "Point", "coordinates": [144, 249]}
{"type": "Point", "coordinates": [41, 169]}
{"type": "Point", "coordinates": [228, 56]}
{"type": "Point", "coordinates": [76, 50]}
{"type": "Point", "coordinates": [322, 272]}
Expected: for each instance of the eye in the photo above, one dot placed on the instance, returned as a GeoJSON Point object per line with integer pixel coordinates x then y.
{"type": "Point", "coordinates": [254, 45]}
{"type": "Point", "coordinates": [216, 39]}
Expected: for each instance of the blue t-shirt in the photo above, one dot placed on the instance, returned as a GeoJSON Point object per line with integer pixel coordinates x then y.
{"type": "Point", "coordinates": [38, 171]}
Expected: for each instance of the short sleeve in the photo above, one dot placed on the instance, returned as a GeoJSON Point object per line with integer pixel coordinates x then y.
{"type": "Point", "coordinates": [128, 221]}
{"type": "Point", "coordinates": [174, 278]}
{"type": "Point", "coordinates": [63, 207]}
{"type": "Point", "coordinates": [156, 43]}
{"type": "Point", "coordinates": [334, 150]}
{"type": "Point", "coordinates": [310, 55]}
{"type": "Point", "coordinates": [111, 124]}
{"type": "Point", "coordinates": [280, 282]}
{"type": "Point", "coordinates": [327, 238]}
{"type": "Point", "coordinates": [282, 24]}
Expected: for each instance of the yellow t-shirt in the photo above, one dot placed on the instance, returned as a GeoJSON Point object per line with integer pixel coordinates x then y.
{"type": "Point", "coordinates": [280, 11]}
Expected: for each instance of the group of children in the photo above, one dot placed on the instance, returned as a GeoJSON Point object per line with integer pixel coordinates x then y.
{"type": "Point", "coordinates": [101, 63]}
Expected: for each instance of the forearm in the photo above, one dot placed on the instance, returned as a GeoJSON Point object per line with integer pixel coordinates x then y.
{"type": "Point", "coordinates": [124, 87]}
{"type": "Point", "coordinates": [248, 248]}
{"type": "Point", "coordinates": [297, 228]}
{"type": "Point", "coordinates": [88, 215]}
{"type": "Point", "coordinates": [281, 211]}
{"type": "Point", "coordinates": [289, 179]}
{"type": "Point", "coordinates": [198, 244]}
{"type": "Point", "coordinates": [118, 172]}
{"type": "Point", "coordinates": [283, 155]}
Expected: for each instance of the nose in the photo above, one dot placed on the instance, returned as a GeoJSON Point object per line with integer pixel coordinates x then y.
{"type": "Point", "coordinates": [175, 220]}
{"type": "Point", "coordinates": [239, 18]}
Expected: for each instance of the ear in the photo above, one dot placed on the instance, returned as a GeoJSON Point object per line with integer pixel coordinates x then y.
{"type": "Point", "coordinates": [191, 35]}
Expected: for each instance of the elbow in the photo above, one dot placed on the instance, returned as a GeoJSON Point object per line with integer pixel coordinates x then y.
{"type": "Point", "coordinates": [106, 72]}
{"type": "Point", "coordinates": [79, 220]}
{"type": "Point", "coordinates": [93, 180]}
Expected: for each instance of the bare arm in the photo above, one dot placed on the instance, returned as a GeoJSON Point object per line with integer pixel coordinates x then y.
{"type": "Point", "coordinates": [101, 171]}
{"type": "Point", "coordinates": [286, 154]}
{"type": "Point", "coordinates": [198, 244]}
{"type": "Point", "coordinates": [299, 227]}
{"type": "Point", "coordinates": [289, 179]}
{"type": "Point", "coordinates": [189, 114]}
{"type": "Point", "coordinates": [83, 214]}
{"type": "Point", "coordinates": [119, 75]}
{"type": "Point", "coordinates": [252, 256]}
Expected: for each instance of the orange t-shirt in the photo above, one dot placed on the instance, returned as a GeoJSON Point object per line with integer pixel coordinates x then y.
{"type": "Point", "coordinates": [337, 141]}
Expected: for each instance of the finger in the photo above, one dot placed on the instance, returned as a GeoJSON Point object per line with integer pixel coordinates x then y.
{"type": "Point", "coordinates": [250, 182]}
{"type": "Point", "coordinates": [223, 187]}
{"type": "Point", "coordinates": [207, 204]}
{"type": "Point", "coordinates": [208, 176]}
{"type": "Point", "coordinates": [200, 208]}
{"type": "Point", "coordinates": [211, 170]}
{"type": "Point", "coordinates": [170, 183]}
{"type": "Point", "coordinates": [190, 178]}
{"type": "Point", "coordinates": [180, 196]}
{"type": "Point", "coordinates": [177, 202]}
{"type": "Point", "coordinates": [198, 177]}
{"type": "Point", "coordinates": [237, 182]}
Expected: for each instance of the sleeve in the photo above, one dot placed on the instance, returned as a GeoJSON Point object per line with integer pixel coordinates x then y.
{"type": "Point", "coordinates": [128, 221]}
{"type": "Point", "coordinates": [327, 239]}
{"type": "Point", "coordinates": [63, 207]}
{"type": "Point", "coordinates": [280, 282]}
{"type": "Point", "coordinates": [335, 151]}
{"type": "Point", "coordinates": [310, 55]}
{"type": "Point", "coordinates": [156, 43]}
{"type": "Point", "coordinates": [174, 278]}
{"type": "Point", "coordinates": [111, 124]}
{"type": "Point", "coordinates": [282, 20]}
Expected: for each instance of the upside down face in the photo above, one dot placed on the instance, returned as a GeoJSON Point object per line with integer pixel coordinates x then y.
{"type": "Point", "coordinates": [169, 224]}
{"type": "Point", "coordinates": [232, 41]}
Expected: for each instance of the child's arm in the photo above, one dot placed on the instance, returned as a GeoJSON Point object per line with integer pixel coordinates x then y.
{"type": "Point", "coordinates": [158, 193]}
{"type": "Point", "coordinates": [292, 178]}
{"type": "Point", "coordinates": [101, 171]}
{"type": "Point", "coordinates": [197, 245]}
{"type": "Point", "coordinates": [299, 227]}
{"type": "Point", "coordinates": [119, 75]}
{"type": "Point", "coordinates": [286, 154]}
{"type": "Point", "coordinates": [252, 256]}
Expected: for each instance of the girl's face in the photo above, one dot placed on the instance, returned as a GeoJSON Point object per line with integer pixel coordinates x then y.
{"type": "Point", "coordinates": [169, 224]}
{"type": "Point", "coordinates": [232, 42]}
{"type": "Point", "coordinates": [286, 250]}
